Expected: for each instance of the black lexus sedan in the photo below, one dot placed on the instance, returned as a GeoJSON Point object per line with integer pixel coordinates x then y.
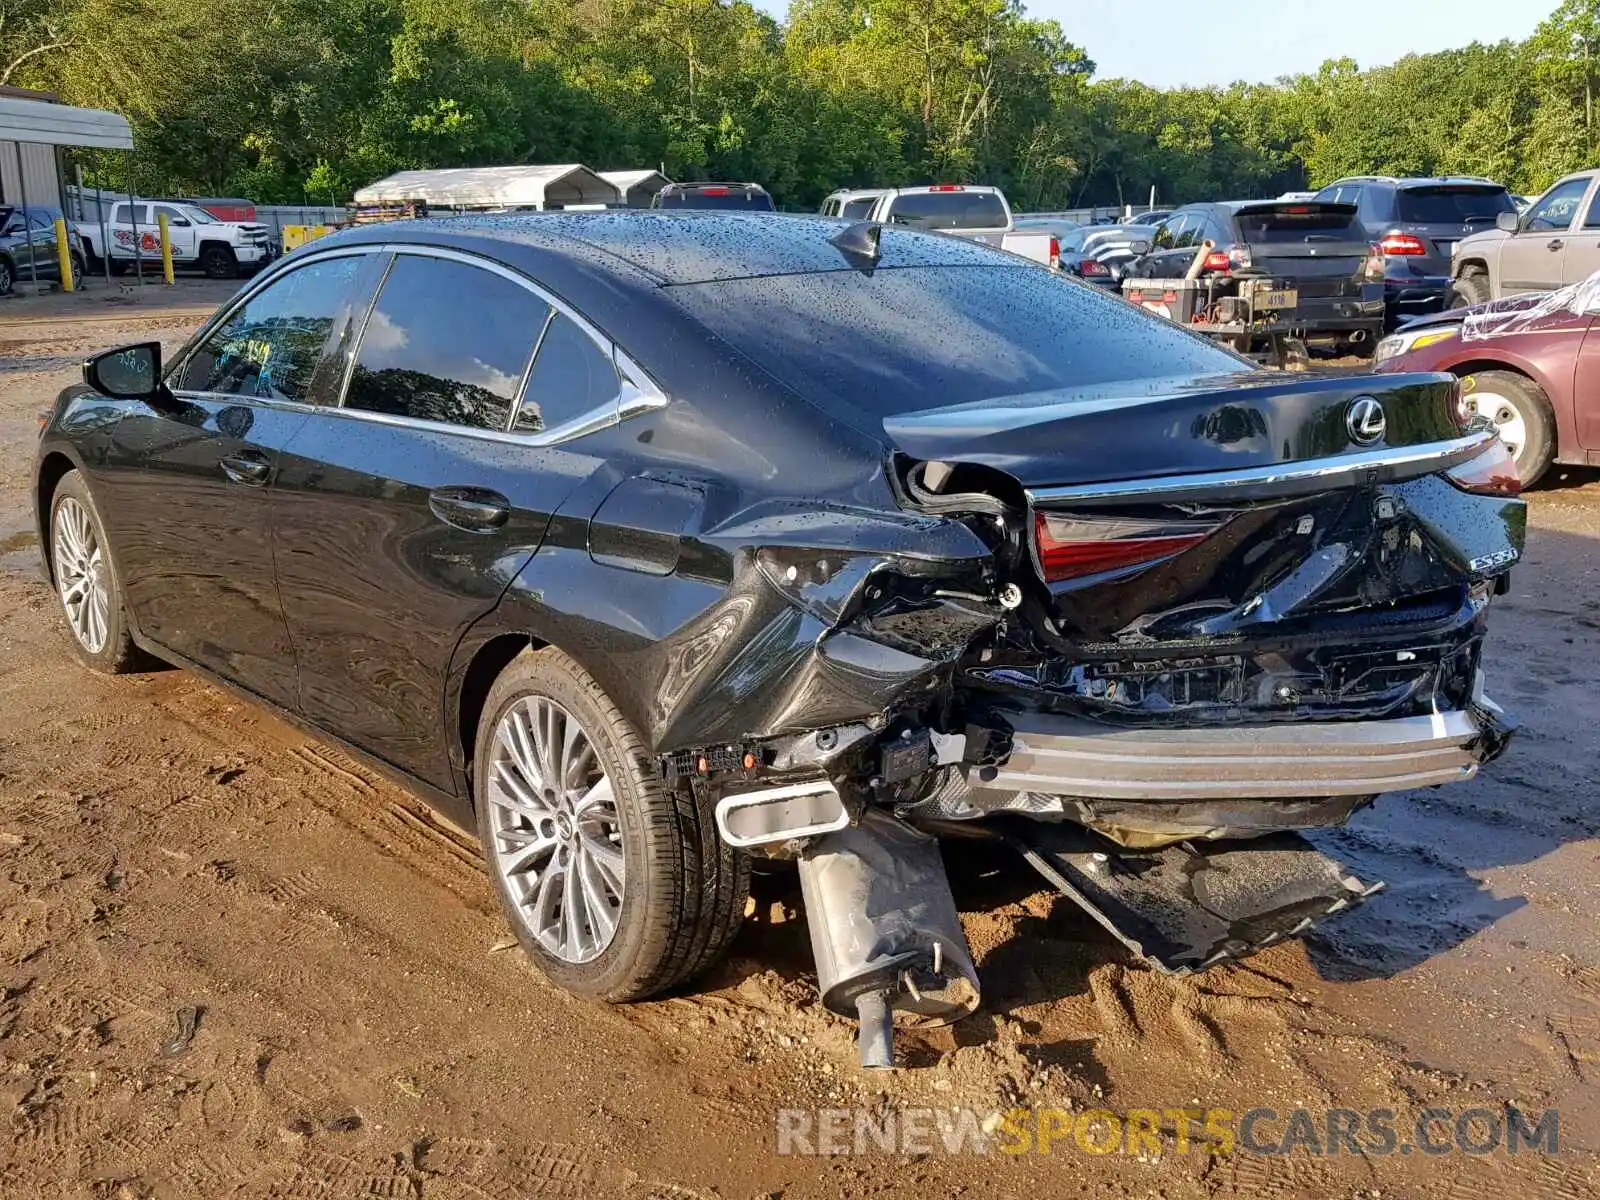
{"type": "Point", "coordinates": [647, 543]}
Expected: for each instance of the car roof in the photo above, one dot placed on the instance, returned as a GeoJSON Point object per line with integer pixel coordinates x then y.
{"type": "Point", "coordinates": [669, 248]}
{"type": "Point", "coordinates": [1407, 181]}
{"type": "Point", "coordinates": [710, 183]}
{"type": "Point", "coordinates": [940, 187]}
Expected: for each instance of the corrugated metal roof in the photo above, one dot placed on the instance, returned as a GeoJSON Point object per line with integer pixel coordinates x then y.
{"type": "Point", "coordinates": [62, 125]}
{"type": "Point", "coordinates": [626, 181]}
{"type": "Point", "coordinates": [478, 187]}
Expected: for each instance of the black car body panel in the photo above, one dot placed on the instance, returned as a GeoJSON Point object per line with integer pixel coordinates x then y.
{"type": "Point", "coordinates": [801, 517]}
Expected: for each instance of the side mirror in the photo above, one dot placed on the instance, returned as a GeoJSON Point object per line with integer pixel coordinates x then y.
{"type": "Point", "coordinates": [180, 222]}
{"type": "Point", "coordinates": [1140, 247]}
{"type": "Point", "coordinates": [130, 373]}
{"type": "Point", "coordinates": [1508, 221]}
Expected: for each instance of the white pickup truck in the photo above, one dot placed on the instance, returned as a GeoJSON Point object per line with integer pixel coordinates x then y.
{"type": "Point", "coordinates": [979, 213]}
{"type": "Point", "coordinates": [222, 249]}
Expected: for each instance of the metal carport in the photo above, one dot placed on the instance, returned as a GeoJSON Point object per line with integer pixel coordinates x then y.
{"type": "Point", "coordinates": [560, 185]}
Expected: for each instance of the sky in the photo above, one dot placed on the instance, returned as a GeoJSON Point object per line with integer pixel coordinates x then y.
{"type": "Point", "coordinates": [1168, 43]}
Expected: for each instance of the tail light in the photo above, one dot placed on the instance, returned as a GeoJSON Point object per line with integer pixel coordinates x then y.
{"type": "Point", "coordinates": [1093, 268]}
{"type": "Point", "coordinates": [1071, 546]}
{"type": "Point", "coordinates": [714, 191]}
{"type": "Point", "coordinates": [947, 187]}
{"type": "Point", "coordinates": [1400, 245]}
{"type": "Point", "coordinates": [1373, 269]}
{"type": "Point", "coordinates": [1055, 251]}
{"type": "Point", "coordinates": [1228, 258]}
{"type": "Point", "coordinates": [1492, 473]}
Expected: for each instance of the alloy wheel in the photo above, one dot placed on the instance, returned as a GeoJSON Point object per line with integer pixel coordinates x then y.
{"type": "Point", "coordinates": [1503, 415]}
{"type": "Point", "coordinates": [555, 833]}
{"type": "Point", "coordinates": [81, 575]}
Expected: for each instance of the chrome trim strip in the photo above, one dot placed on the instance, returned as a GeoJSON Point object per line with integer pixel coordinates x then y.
{"type": "Point", "coordinates": [1286, 479]}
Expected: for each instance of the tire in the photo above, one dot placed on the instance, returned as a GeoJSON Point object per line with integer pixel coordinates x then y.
{"type": "Point", "coordinates": [1471, 287]}
{"type": "Point", "coordinates": [682, 889]}
{"type": "Point", "coordinates": [218, 262]}
{"type": "Point", "coordinates": [76, 261]}
{"type": "Point", "coordinates": [78, 542]}
{"type": "Point", "coordinates": [1522, 414]}
{"type": "Point", "coordinates": [7, 275]}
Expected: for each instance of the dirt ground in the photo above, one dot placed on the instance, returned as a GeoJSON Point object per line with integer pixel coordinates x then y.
{"type": "Point", "coordinates": [363, 1028]}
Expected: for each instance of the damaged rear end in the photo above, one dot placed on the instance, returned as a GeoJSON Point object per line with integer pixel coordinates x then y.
{"type": "Point", "coordinates": [1153, 678]}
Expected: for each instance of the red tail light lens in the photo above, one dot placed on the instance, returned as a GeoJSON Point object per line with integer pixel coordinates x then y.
{"type": "Point", "coordinates": [1217, 260]}
{"type": "Point", "coordinates": [1070, 547]}
{"type": "Point", "coordinates": [1492, 473]}
{"type": "Point", "coordinates": [1400, 245]}
{"type": "Point", "coordinates": [714, 191]}
{"type": "Point", "coordinates": [947, 187]}
{"type": "Point", "coordinates": [1055, 250]}
{"type": "Point", "coordinates": [1093, 268]}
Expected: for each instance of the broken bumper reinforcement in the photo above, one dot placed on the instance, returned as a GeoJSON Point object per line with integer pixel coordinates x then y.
{"type": "Point", "coordinates": [1070, 756]}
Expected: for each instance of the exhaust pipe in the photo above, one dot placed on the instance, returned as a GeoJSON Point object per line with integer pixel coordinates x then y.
{"type": "Point", "coordinates": [1358, 336]}
{"type": "Point", "coordinates": [780, 814]}
{"type": "Point", "coordinates": [885, 932]}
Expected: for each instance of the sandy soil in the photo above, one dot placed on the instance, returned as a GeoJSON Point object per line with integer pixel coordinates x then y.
{"type": "Point", "coordinates": [364, 1029]}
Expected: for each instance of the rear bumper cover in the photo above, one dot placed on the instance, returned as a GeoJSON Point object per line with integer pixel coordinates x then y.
{"type": "Point", "coordinates": [1071, 756]}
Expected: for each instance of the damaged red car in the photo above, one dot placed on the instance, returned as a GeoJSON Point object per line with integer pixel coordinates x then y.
{"type": "Point", "coordinates": [1528, 364]}
{"type": "Point", "coordinates": [649, 543]}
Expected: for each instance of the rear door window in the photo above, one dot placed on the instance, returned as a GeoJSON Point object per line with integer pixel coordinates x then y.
{"type": "Point", "coordinates": [127, 214]}
{"type": "Point", "coordinates": [571, 377]}
{"type": "Point", "coordinates": [1451, 204]}
{"type": "Point", "coordinates": [276, 346]}
{"type": "Point", "coordinates": [948, 210]}
{"type": "Point", "coordinates": [858, 208]}
{"type": "Point", "coordinates": [447, 341]}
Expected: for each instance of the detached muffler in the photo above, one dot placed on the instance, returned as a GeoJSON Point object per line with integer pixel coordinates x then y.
{"type": "Point", "coordinates": [885, 932]}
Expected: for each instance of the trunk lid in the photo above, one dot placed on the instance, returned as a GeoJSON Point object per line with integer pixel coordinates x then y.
{"type": "Point", "coordinates": [1303, 239]}
{"type": "Point", "coordinates": [1146, 428]}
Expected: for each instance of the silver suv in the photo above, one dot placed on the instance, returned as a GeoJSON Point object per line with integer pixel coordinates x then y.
{"type": "Point", "coordinates": [1556, 241]}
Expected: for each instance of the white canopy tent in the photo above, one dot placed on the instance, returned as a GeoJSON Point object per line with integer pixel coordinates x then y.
{"type": "Point", "coordinates": [561, 185]}
{"type": "Point", "coordinates": [638, 188]}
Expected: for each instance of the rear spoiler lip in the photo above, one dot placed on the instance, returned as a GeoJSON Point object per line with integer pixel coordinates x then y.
{"type": "Point", "coordinates": [1386, 465]}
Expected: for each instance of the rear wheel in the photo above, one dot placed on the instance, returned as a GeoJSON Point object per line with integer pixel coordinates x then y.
{"type": "Point", "coordinates": [1469, 288]}
{"type": "Point", "coordinates": [616, 887]}
{"type": "Point", "coordinates": [7, 276]}
{"type": "Point", "coordinates": [1520, 413]}
{"type": "Point", "coordinates": [218, 262]}
{"type": "Point", "coordinates": [86, 580]}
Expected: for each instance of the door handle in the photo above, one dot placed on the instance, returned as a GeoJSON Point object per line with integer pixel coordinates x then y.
{"type": "Point", "coordinates": [476, 510]}
{"type": "Point", "coordinates": [1554, 244]}
{"type": "Point", "coordinates": [247, 467]}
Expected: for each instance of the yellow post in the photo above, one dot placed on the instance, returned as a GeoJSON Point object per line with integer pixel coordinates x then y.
{"type": "Point", "coordinates": [166, 247]}
{"type": "Point", "coordinates": [64, 256]}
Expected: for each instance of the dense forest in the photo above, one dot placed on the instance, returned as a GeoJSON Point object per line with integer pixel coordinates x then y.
{"type": "Point", "coordinates": [296, 100]}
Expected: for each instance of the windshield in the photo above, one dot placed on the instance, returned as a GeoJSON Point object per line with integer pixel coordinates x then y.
{"type": "Point", "coordinates": [738, 199]}
{"type": "Point", "coordinates": [1299, 222]}
{"type": "Point", "coordinates": [1452, 205]}
{"type": "Point", "coordinates": [948, 210]}
{"type": "Point", "coordinates": [198, 215]}
{"type": "Point", "coordinates": [902, 339]}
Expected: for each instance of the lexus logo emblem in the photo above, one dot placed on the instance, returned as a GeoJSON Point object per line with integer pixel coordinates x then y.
{"type": "Point", "coordinates": [1365, 421]}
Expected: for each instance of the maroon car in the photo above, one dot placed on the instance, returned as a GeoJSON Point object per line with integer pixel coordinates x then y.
{"type": "Point", "coordinates": [1529, 363]}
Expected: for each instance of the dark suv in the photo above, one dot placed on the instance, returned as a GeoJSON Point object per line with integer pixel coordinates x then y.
{"type": "Point", "coordinates": [28, 246]}
{"type": "Point", "coordinates": [1417, 223]}
{"type": "Point", "coordinates": [740, 197]}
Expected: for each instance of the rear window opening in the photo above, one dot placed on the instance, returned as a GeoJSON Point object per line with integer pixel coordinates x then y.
{"type": "Point", "coordinates": [1454, 204]}
{"type": "Point", "coordinates": [1296, 223]}
{"type": "Point", "coordinates": [857, 209]}
{"type": "Point", "coordinates": [948, 210]}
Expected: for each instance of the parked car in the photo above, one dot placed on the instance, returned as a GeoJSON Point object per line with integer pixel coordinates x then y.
{"type": "Point", "coordinates": [1554, 242]}
{"type": "Point", "coordinates": [221, 249]}
{"type": "Point", "coordinates": [734, 197]}
{"type": "Point", "coordinates": [1527, 364]}
{"type": "Point", "coordinates": [647, 542]}
{"type": "Point", "coordinates": [1098, 254]}
{"type": "Point", "coordinates": [1416, 224]}
{"type": "Point", "coordinates": [28, 247]}
{"type": "Point", "coordinates": [853, 203]}
{"type": "Point", "coordinates": [1302, 268]}
{"type": "Point", "coordinates": [980, 214]}
{"type": "Point", "coordinates": [1153, 216]}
